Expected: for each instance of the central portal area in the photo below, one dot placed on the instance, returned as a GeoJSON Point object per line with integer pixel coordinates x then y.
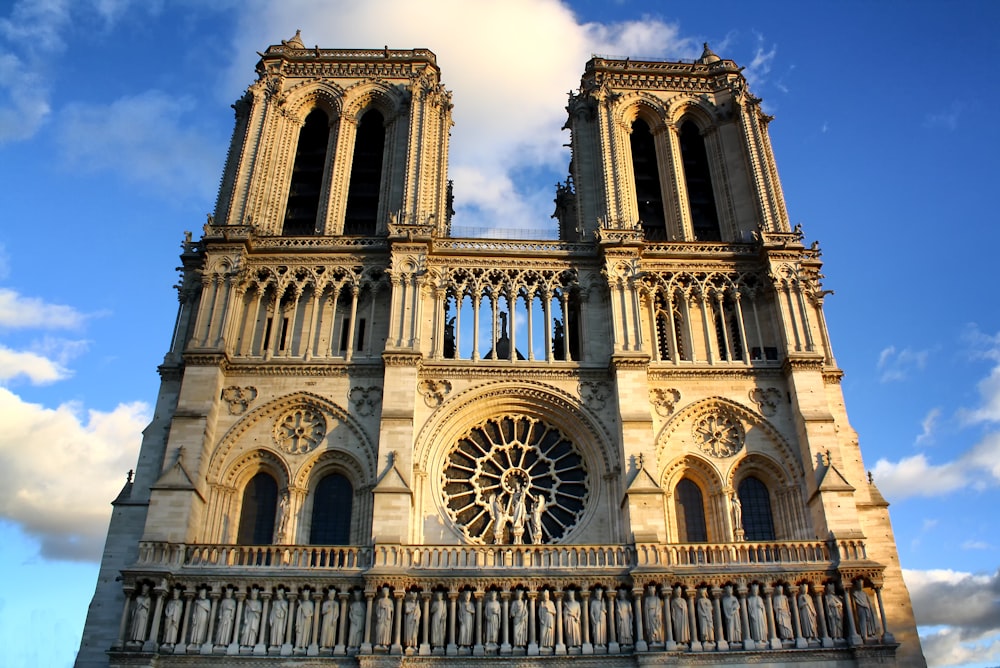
{"type": "Point", "coordinates": [514, 480]}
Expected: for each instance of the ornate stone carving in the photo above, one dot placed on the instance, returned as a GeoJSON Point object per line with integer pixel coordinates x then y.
{"type": "Point", "coordinates": [239, 398]}
{"type": "Point", "coordinates": [664, 400]}
{"type": "Point", "coordinates": [719, 434]}
{"type": "Point", "coordinates": [434, 391]}
{"type": "Point", "coordinates": [366, 399]}
{"type": "Point", "coordinates": [300, 430]}
{"type": "Point", "coordinates": [766, 399]}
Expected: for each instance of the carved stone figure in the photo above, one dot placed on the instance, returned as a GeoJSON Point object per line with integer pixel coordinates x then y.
{"type": "Point", "coordinates": [492, 613]}
{"type": "Point", "coordinates": [383, 620]}
{"type": "Point", "coordinates": [140, 615]}
{"type": "Point", "coordinates": [834, 612]}
{"type": "Point", "coordinates": [536, 520]}
{"type": "Point", "coordinates": [411, 619]}
{"type": "Point", "coordinates": [278, 619]}
{"type": "Point", "coordinates": [653, 615]}
{"type": "Point", "coordinates": [199, 618]}
{"type": "Point", "coordinates": [623, 618]}
{"type": "Point", "coordinates": [331, 615]}
{"type": "Point", "coordinates": [706, 625]}
{"type": "Point", "coordinates": [227, 615]}
{"type": "Point", "coordinates": [172, 617]}
{"type": "Point", "coordinates": [356, 619]}
{"type": "Point", "coordinates": [571, 620]}
{"type": "Point", "coordinates": [598, 619]}
{"type": "Point", "coordinates": [466, 613]}
{"type": "Point", "coordinates": [519, 620]}
{"type": "Point", "coordinates": [679, 617]}
{"type": "Point", "coordinates": [439, 619]}
{"type": "Point", "coordinates": [731, 615]}
{"type": "Point", "coordinates": [782, 615]}
{"type": "Point", "coordinates": [251, 619]}
{"type": "Point", "coordinates": [303, 620]}
{"type": "Point", "coordinates": [863, 605]}
{"type": "Point", "coordinates": [756, 614]}
{"type": "Point", "coordinates": [807, 613]}
{"type": "Point", "coordinates": [546, 620]}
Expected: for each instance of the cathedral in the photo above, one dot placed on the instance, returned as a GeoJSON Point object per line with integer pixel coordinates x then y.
{"type": "Point", "coordinates": [380, 442]}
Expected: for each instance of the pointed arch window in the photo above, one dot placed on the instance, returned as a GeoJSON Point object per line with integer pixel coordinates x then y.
{"type": "Point", "coordinates": [366, 176]}
{"type": "Point", "coordinates": [690, 506]}
{"type": "Point", "coordinates": [698, 177]}
{"type": "Point", "coordinates": [260, 502]}
{"type": "Point", "coordinates": [302, 208]}
{"type": "Point", "coordinates": [646, 173]}
{"type": "Point", "coordinates": [758, 523]}
{"type": "Point", "coordinates": [331, 511]}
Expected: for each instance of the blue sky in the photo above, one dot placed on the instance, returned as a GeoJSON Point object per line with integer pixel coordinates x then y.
{"type": "Point", "coordinates": [114, 123]}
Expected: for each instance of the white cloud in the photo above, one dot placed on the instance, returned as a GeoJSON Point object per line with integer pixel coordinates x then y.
{"type": "Point", "coordinates": [959, 614]}
{"type": "Point", "coordinates": [60, 468]}
{"type": "Point", "coordinates": [19, 312]}
{"type": "Point", "coordinates": [894, 365]}
{"type": "Point", "coordinates": [927, 426]}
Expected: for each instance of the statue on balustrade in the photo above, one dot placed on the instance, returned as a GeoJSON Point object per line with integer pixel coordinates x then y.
{"type": "Point", "coordinates": [199, 618]}
{"type": "Point", "coordinates": [383, 620]}
{"type": "Point", "coordinates": [356, 617]}
{"type": "Point", "coordinates": [546, 620]}
{"type": "Point", "coordinates": [731, 615]}
{"type": "Point", "coordinates": [172, 617]}
{"type": "Point", "coordinates": [782, 615]}
{"type": "Point", "coordinates": [679, 617]}
{"type": "Point", "coordinates": [492, 612]}
{"type": "Point", "coordinates": [140, 615]}
{"type": "Point", "coordinates": [756, 614]}
{"type": "Point", "coordinates": [652, 610]}
{"type": "Point", "coordinates": [303, 620]}
{"type": "Point", "coordinates": [278, 618]}
{"type": "Point", "coordinates": [519, 620]}
{"type": "Point", "coordinates": [866, 617]}
{"type": "Point", "coordinates": [411, 619]}
{"type": "Point", "coordinates": [227, 615]}
{"type": "Point", "coordinates": [623, 618]}
{"type": "Point", "coordinates": [439, 619]}
{"type": "Point", "coordinates": [706, 623]}
{"type": "Point", "coordinates": [834, 612]}
{"type": "Point", "coordinates": [466, 613]}
{"type": "Point", "coordinates": [598, 619]}
{"type": "Point", "coordinates": [571, 620]}
{"type": "Point", "coordinates": [251, 619]}
{"type": "Point", "coordinates": [807, 614]}
{"type": "Point", "coordinates": [331, 615]}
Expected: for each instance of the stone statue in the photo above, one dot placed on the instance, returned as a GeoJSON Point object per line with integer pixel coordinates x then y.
{"type": "Point", "coordinates": [281, 522]}
{"type": "Point", "coordinates": [411, 619]}
{"type": "Point", "coordinates": [383, 620]}
{"type": "Point", "coordinates": [140, 615]}
{"type": "Point", "coordinates": [466, 613]}
{"type": "Point", "coordinates": [303, 620]}
{"type": "Point", "coordinates": [731, 615]}
{"type": "Point", "coordinates": [756, 614]}
{"type": "Point", "coordinates": [679, 617]}
{"type": "Point", "coordinates": [251, 619]}
{"type": "Point", "coordinates": [782, 615]}
{"type": "Point", "coordinates": [598, 619]}
{"type": "Point", "coordinates": [492, 612]}
{"type": "Point", "coordinates": [519, 620]}
{"type": "Point", "coordinates": [439, 619]}
{"type": "Point", "coordinates": [863, 604]}
{"type": "Point", "coordinates": [227, 615]}
{"type": "Point", "coordinates": [278, 618]}
{"type": "Point", "coordinates": [331, 615]}
{"type": "Point", "coordinates": [536, 520]}
{"type": "Point", "coordinates": [172, 617]}
{"type": "Point", "coordinates": [834, 612]}
{"type": "Point", "coordinates": [571, 620]}
{"type": "Point", "coordinates": [356, 618]}
{"type": "Point", "coordinates": [546, 620]}
{"type": "Point", "coordinates": [706, 624]}
{"type": "Point", "coordinates": [652, 610]}
{"type": "Point", "coordinates": [807, 614]}
{"type": "Point", "coordinates": [199, 618]}
{"type": "Point", "coordinates": [499, 518]}
{"type": "Point", "coordinates": [623, 618]}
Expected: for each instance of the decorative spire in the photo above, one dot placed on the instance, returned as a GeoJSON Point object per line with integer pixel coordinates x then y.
{"type": "Point", "coordinates": [708, 56]}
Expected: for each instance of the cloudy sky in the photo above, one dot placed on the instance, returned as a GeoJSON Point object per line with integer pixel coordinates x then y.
{"type": "Point", "coordinates": [114, 123]}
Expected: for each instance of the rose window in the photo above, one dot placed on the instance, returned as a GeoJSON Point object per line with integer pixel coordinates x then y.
{"type": "Point", "coordinates": [300, 430]}
{"type": "Point", "coordinates": [719, 435]}
{"type": "Point", "coordinates": [514, 480]}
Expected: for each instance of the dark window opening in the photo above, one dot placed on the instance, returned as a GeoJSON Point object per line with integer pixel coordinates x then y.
{"type": "Point", "coordinates": [260, 502]}
{"type": "Point", "coordinates": [302, 208]}
{"type": "Point", "coordinates": [646, 172]}
{"type": "Point", "coordinates": [690, 513]}
{"type": "Point", "coordinates": [758, 524]}
{"type": "Point", "coordinates": [331, 511]}
{"type": "Point", "coordinates": [366, 176]}
{"type": "Point", "coordinates": [698, 176]}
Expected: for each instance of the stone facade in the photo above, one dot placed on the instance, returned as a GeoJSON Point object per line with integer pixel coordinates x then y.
{"type": "Point", "coordinates": [376, 442]}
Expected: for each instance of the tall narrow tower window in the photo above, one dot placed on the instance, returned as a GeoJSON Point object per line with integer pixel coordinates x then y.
{"type": "Point", "coordinates": [701, 197]}
{"type": "Point", "coordinates": [260, 502]}
{"type": "Point", "coordinates": [366, 176]}
{"type": "Point", "coordinates": [307, 176]}
{"type": "Point", "coordinates": [648, 195]}
{"type": "Point", "coordinates": [331, 511]}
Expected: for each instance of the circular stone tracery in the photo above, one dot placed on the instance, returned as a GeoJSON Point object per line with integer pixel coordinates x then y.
{"type": "Point", "coordinates": [514, 479]}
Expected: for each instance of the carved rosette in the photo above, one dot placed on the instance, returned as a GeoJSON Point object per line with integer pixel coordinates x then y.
{"type": "Point", "coordinates": [719, 434]}
{"type": "Point", "coordinates": [300, 430]}
{"type": "Point", "coordinates": [514, 464]}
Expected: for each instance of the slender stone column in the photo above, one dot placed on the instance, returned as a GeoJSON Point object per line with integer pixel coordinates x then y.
{"type": "Point", "coordinates": [640, 642]}
{"type": "Point", "coordinates": [693, 621]}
